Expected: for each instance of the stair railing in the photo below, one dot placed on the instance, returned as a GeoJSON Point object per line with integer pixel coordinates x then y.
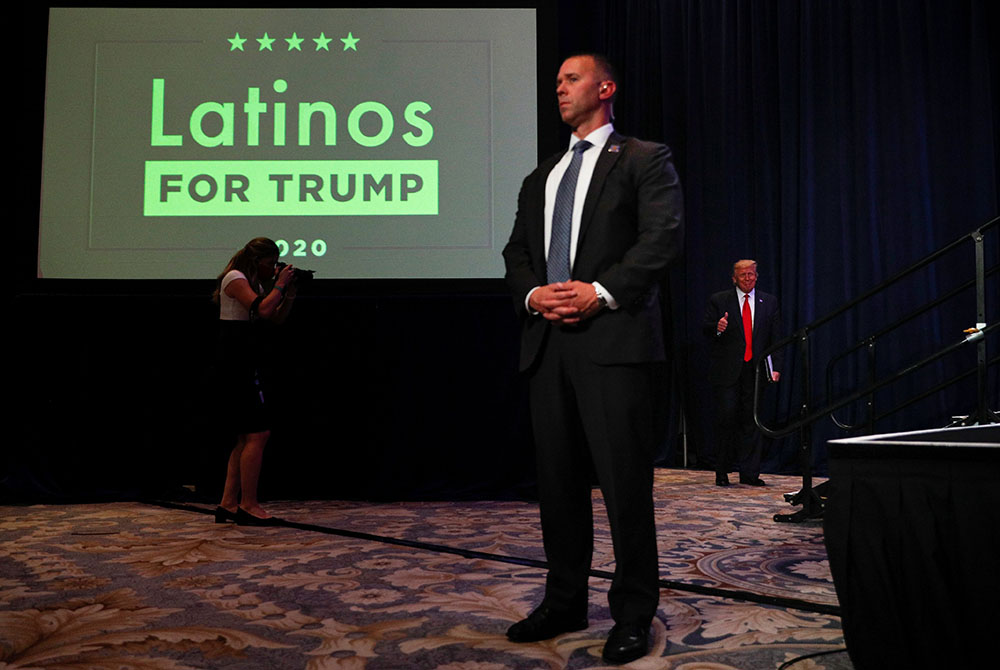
{"type": "Point", "coordinates": [812, 505]}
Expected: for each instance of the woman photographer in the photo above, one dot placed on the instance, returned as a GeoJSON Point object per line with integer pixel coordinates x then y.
{"type": "Point", "coordinates": [242, 300]}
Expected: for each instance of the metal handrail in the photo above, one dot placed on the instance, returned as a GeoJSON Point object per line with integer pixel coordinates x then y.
{"type": "Point", "coordinates": [808, 416]}
{"type": "Point", "coordinates": [871, 340]}
{"type": "Point", "coordinates": [813, 416]}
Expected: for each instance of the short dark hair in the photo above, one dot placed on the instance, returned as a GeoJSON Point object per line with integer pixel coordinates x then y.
{"type": "Point", "coordinates": [602, 62]}
{"type": "Point", "coordinates": [606, 67]}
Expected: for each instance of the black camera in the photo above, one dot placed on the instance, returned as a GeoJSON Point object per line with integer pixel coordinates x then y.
{"type": "Point", "coordinates": [299, 275]}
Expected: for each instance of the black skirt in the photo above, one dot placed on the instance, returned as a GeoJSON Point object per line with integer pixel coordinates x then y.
{"type": "Point", "coordinates": [241, 390]}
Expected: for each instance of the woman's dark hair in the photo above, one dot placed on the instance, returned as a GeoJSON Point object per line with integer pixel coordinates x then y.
{"type": "Point", "coordinates": [246, 261]}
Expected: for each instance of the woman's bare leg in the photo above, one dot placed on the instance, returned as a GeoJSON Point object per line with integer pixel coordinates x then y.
{"type": "Point", "coordinates": [249, 468]}
{"type": "Point", "coordinates": [231, 490]}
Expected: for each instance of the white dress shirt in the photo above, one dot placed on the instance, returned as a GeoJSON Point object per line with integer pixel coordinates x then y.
{"type": "Point", "coordinates": [588, 161]}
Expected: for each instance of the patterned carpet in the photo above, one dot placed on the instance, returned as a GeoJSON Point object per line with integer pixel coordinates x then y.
{"type": "Point", "coordinates": [352, 586]}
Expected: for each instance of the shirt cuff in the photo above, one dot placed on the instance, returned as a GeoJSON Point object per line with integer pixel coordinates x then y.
{"type": "Point", "coordinates": [527, 301]}
{"type": "Point", "coordinates": [608, 298]}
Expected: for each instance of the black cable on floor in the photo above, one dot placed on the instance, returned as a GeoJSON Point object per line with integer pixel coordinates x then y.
{"type": "Point", "coordinates": [788, 664]}
{"type": "Point", "coordinates": [791, 603]}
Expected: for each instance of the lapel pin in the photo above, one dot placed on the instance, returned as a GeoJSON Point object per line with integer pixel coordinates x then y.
{"type": "Point", "coordinates": [614, 148]}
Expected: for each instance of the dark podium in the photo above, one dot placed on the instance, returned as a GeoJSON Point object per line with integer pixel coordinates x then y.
{"type": "Point", "coordinates": [912, 529]}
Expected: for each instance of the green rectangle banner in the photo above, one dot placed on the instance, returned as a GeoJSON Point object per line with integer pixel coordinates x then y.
{"type": "Point", "coordinates": [291, 188]}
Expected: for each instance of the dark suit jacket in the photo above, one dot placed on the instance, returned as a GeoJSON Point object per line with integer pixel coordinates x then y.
{"type": "Point", "coordinates": [630, 230]}
{"type": "Point", "coordinates": [726, 350]}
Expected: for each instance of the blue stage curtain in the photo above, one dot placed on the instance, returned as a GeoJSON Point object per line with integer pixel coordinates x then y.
{"type": "Point", "coordinates": [836, 142]}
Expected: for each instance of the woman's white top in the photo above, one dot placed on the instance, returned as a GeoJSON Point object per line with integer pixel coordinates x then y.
{"type": "Point", "coordinates": [230, 309]}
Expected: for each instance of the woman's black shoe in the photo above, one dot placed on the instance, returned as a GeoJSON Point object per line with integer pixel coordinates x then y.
{"type": "Point", "coordinates": [245, 518]}
{"type": "Point", "coordinates": [222, 515]}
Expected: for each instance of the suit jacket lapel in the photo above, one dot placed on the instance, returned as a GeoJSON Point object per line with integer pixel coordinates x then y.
{"type": "Point", "coordinates": [605, 161]}
{"type": "Point", "coordinates": [759, 312]}
{"type": "Point", "coordinates": [758, 315]}
{"type": "Point", "coordinates": [734, 299]}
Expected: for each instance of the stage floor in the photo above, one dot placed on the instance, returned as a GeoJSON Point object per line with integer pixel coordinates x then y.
{"type": "Point", "coordinates": [354, 585]}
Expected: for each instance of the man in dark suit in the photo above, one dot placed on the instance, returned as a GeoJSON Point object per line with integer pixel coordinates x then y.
{"type": "Point", "coordinates": [596, 228]}
{"type": "Point", "coordinates": [733, 357]}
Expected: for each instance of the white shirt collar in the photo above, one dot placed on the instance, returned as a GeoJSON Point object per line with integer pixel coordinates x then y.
{"type": "Point", "coordinates": [596, 137]}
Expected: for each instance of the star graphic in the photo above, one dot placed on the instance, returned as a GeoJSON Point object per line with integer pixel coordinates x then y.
{"type": "Point", "coordinates": [322, 42]}
{"type": "Point", "coordinates": [350, 42]}
{"type": "Point", "coordinates": [293, 42]}
{"type": "Point", "coordinates": [265, 42]}
{"type": "Point", "coordinates": [236, 42]}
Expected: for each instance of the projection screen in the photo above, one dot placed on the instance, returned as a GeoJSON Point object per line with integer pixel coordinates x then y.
{"type": "Point", "coordinates": [375, 143]}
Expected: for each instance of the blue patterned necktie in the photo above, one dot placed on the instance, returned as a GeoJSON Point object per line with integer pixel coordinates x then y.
{"type": "Point", "coordinates": [557, 264]}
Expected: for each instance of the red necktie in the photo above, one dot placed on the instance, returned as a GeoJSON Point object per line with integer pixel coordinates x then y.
{"type": "Point", "coordinates": [747, 328]}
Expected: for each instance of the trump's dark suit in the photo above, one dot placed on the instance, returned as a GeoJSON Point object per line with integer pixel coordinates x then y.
{"type": "Point", "coordinates": [592, 384]}
{"type": "Point", "coordinates": [732, 377]}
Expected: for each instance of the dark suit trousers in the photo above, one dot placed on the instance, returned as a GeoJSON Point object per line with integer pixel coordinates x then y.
{"type": "Point", "coordinates": [739, 440]}
{"type": "Point", "coordinates": [584, 414]}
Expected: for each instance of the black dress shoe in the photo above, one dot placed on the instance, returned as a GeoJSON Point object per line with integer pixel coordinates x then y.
{"type": "Point", "coordinates": [545, 623]}
{"type": "Point", "coordinates": [722, 480]}
{"type": "Point", "coordinates": [757, 481]}
{"type": "Point", "coordinates": [626, 642]}
{"type": "Point", "coordinates": [222, 515]}
{"type": "Point", "coordinates": [245, 518]}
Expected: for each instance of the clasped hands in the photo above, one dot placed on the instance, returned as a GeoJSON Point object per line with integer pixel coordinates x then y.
{"type": "Point", "coordinates": [567, 303]}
